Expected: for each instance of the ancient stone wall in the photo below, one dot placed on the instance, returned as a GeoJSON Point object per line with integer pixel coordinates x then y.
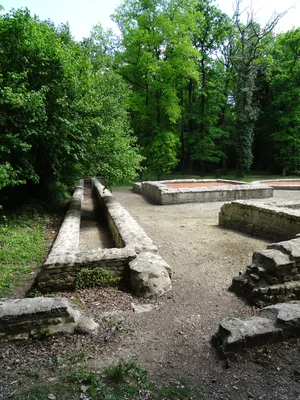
{"type": "Point", "coordinates": [267, 221]}
{"type": "Point", "coordinates": [273, 276]}
{"type": "Point", "coordinates": [161, 194]}
{"type": "Point", "coordinates": [41, 316]}
{"type": "Point", "coordinates": [125, 230]}
{"type": "Point", "coordinates": [149, 275]}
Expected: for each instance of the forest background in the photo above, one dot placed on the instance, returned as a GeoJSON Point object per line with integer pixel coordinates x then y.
{"type": "Point", "coordinates": [183, 87]}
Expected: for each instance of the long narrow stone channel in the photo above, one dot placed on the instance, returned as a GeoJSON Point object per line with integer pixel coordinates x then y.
{"type": "Point", "coordinates": [94, 231]}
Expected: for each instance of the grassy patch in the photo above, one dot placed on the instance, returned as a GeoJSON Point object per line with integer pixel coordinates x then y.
{"type": "Point", "coordinates": [126, 380]}
{"type": "Point", "coordinates": [96, 277]}
{"type": "Point", "coordinates": [23, 246]}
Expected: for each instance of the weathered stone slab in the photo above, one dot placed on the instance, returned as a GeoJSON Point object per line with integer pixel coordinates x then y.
{"type": "Point", "coordinates": [271, 259]}
{"type": "Point", "coordinates": [42, 316]}
{"type": "Point", "coordinates": [274, 323]}
{"type": "Point", "coordinates": [286, 314]}
{"type": "Point", "coordinates": [150, 275]}
{"type": "Point", "coordinates": [289, 247]}
{"type": "Point", "coordinates": [67, 240]}
{"type": "Point", "coordinates": [236, 334]}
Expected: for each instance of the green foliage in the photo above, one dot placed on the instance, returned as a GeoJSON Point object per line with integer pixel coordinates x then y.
{"type": "Point", "coordinates": [126, 380]}
{"type": "Point", "coordinates": [96, 277]}
{"type": "Point", "coordinates": [62, 113]}
{"type": "Point", "coordinates": [33, 292]}
{"type": "Point", "coordinates": [285, 99]}
{"type": "Point", "coordinates": [8, 177]}
{"type": "Point", "coordinates": [23, 245]}
{"type": "Point", "coordinates": [161, 154]}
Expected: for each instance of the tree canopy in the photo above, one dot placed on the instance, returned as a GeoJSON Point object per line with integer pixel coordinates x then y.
{"type": "Point", "coordinates": [183, 86]}
{"type": "Point", "coordinates": [62, 115]}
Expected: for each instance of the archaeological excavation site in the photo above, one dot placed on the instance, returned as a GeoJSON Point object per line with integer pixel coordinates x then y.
{"type": "Point", "coordinates": [207, 267]}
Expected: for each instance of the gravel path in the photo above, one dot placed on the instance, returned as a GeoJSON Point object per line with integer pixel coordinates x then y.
{"type": "Point", "coordinates": [173, 340]}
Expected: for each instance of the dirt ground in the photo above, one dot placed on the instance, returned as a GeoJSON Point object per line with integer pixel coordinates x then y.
{"type": "Point", "coordinates": [173, 340]}
{"type": "Point", "coordinates": [285, 183]}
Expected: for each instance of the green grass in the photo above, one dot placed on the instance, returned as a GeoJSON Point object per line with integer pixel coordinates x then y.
{"type": "Point", "coordinates": [23, 246]}
{"type": "Point", "coordinates": [118, 382]}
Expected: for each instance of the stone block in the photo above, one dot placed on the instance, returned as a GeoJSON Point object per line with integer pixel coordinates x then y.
{"type": "Point", "coordinates": [150, 275]}
{"type": "Point", "coordinates": [236, 334]}
{"type": "Point", "coordinates": [290, 247]}
{"type": "Point", "coordinates": [272, 259]}
{"type": "Point", "coordinates": [42, 316]}
{"type": "Point", "coordinates": [136, 187]}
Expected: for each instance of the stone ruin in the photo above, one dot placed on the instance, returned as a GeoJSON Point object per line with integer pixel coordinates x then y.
{"type": "Point", "coordinates": [135, 256]}
{"type": "Point", "coordinates": [274, 275]}
{"type": "Point", "coordinates": [271, 282]}
{"type": "Point", "coordinates": [201, 190]}
{"type": "Point", "coordinates": [273, 324]}
{"type": "Point", "coordinates": [39, 317]}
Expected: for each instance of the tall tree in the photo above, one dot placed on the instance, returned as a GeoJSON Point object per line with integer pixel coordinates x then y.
{"type": "Point", "coordinates": [285, 95]}
{"type": "Point", "coordinates": [51, 126]}
{"type": "Point", "coordinates": [250, 44]}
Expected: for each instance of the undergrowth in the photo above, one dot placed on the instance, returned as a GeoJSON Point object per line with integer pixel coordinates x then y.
{"type": "Point", "coordinates": [23, 246]}
{"type": "Point", "coordinates": [126, 380]}
{"type": "Point", "coordinates": [97, 277]}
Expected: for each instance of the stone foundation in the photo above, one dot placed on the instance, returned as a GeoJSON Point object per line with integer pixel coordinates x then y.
{"type": "Point", "coordinates": [41, 316]}
{"type": "Point", "coordinates": [282, 184]}
{"type": "Point", "coordinates": [161, 194]}
{"type": "Point", "coordinates": [280, 222]}
{"type": "Point", "coordinates": [60, 270]}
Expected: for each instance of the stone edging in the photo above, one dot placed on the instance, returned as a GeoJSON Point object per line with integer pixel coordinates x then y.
{"type": "Point", "coordinates": [40, 317]}
{"type": "Point", "coordinates": [274, 323]}
{"type": "Point", "coordinates": [281, 187]}
{"type": "Point", "coordinates": [268, 221]}
{"type": "Point", "coordinates": [161, 194]}
{"type": "Point", "coordinates": [149, 275]}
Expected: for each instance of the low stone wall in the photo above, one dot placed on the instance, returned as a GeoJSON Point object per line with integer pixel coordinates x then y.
{"type": "Point", "coordinates": [67, 240]}
{"type": "Point", "coordinates": [41, 316]}
{"type": "Point", "coordinates": [161, 194]}
{"type": "Point", "coordinates": [267, 221]}
{"type": "Point", "coordinates": [273, 276]}
{"type": "Point", "coordinates": [274, 323]}
{"type": "Point", "coordinates": [125, 230]}
{"type": "Point", "coordinates": [149, 274]}
{"type": "Point", "coordinates": [136, 187]}
{"type": "Point", "coordinates": [60, 270]}
{"type": "Point", "coordinates": [280, 184]}
{"type": "Point", "coordinates": [60, 273]}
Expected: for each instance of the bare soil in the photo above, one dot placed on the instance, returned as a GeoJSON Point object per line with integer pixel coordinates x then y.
{"type": "Point", "coordinates": [181, 185]}
{"type": "Point", "coordinates": [173, 340]}
{"type": "Point", "coordinates": [94, 232]}
{"type": "Point", "coordinates": [282, 183]}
